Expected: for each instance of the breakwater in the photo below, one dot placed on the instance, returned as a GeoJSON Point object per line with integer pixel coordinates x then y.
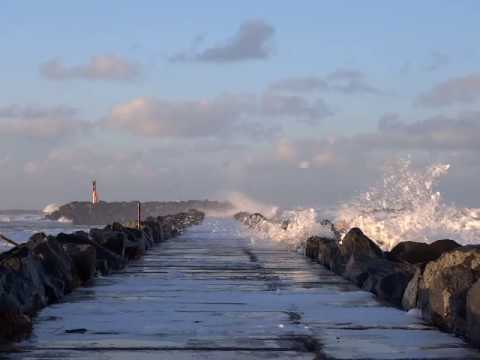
{"type": "Point", "coordinates": [101, 213]}
{"type": "Point", "coordinates": [441, 280]}
{"type": "Point", "coordinates": [44, 269]}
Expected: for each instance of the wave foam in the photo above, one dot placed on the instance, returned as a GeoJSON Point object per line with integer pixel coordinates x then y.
{"type": "Point", "coordinates": [406, 207]}
{"type": "Point", "coordinates": [292, 228]}
{"type": "Point", "coordinates": [50, 208]}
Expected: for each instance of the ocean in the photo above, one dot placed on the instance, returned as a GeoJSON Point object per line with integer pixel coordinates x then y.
{"type": "Point", "coordinates": [20, 225]}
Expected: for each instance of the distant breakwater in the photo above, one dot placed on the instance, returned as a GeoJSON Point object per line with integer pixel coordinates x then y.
{"type": "Point", "coordinates": [44, 269]}
{"type": "Point", "coordinates": [441, 280]}
{"type": "Point", "coordinates": [86, 213]}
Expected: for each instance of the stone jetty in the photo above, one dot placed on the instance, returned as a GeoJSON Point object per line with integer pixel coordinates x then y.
{"type": "Point", "coordinates": [441, 279]}
{"type": "Point", "coordinates": [101, 213]}
{"type": "Point", "coordinates": [46, 268]}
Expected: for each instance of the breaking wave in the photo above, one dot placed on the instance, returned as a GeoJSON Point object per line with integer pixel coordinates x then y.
{"type": "Point", "coordinates": [405, 206]}
{"type": "Point", "coordinates": [50, 209]}
{"type": "Point", "coordinates": [292, 228]}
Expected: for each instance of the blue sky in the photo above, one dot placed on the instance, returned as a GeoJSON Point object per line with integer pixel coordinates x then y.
{"type": "Point", "coordinates": [379, 58]}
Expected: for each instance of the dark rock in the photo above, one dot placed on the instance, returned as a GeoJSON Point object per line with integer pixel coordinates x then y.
{"type": "Point", "coordinates": [84, 258]}
{"type": "Point", "coordinates": [57, 267]}
{"type": "Point", "coordinates": [386, 279]}
{"type": "Point", "coordinates": [444, 286]}
{"type": "Point", "coordinates": [473, 314]}
{"type": "Point", "coordinates": [135, 245]}
{"type": "Point", "coordinates": [15, 326]}
{"type": "Point", "coordinates": [241, 216]}
{"type": "Point", "coordinates": [114, 241]}
{"type": "Point", "coordinates": [327, 252]}
{"type": "Point", "coordinates": [110, 260]}
{"type": "Point", "coordinates": [311, 247]}
{"type": "Point", "coordinates": [358, 244]}
{"type": "Point", "coordinates": [417, 252]}
{"type": "Point", "coordinates": [21, 277]}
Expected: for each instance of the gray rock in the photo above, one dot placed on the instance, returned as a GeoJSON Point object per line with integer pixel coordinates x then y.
{"type": "Point", "coordinates": [410, 296]}
{"type": "Point", "coordinates": [473, 314]}
{"type": "Point", "coordinates": [444, 285]}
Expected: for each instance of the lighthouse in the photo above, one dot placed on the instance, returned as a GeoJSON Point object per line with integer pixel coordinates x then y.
{"type": "Point", "coordinates": [94, 192]}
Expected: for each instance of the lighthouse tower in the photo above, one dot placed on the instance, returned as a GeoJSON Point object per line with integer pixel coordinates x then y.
{"type": "Point", "coordinates": [94, 192]}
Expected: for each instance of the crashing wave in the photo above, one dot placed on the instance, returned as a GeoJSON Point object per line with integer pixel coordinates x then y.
{"type": "Point", "coordinates": [406, 207]}
{"type": "Point", "coordinates": [65, 220]}
{"type": "Point", "coordinates": [50, 209]}
{"type": "Point", "coordinates": [291, 228]}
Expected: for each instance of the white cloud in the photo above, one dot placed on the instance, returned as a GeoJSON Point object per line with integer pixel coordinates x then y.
{"type": "Point", "coordinates": [101, 67]}
{"type": "Point", "coordinates": [223, 116]}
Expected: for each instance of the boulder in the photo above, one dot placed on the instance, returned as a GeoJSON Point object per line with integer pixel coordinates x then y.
{"type": "Point", "coordinates": [473, 314]}
{"type": "Point", "coordinates": [326, 251]}
{"type": "Point", "coordinates": [56, 267]}
{"type": "Point", "coordinates": [410, 296]}
{"type": "Point", "coordinates": [114, 241]}
{"type": "Point", "coordinates": [386, 279]}
{"type": "Point", "coordinates": [84, 258]}
{"type": "Point", "coordinates": [21, 277]}
{"type": "Point", "coordinates": [106, 259]}
{"type": "Point", "coordinates": [136, 244]}
{"type": "Point", "coordinates": [358, 244]}
{"type": "Point", "coordinates": [417, 252]}
{"type": "Point", "coordinates": [443, 289]}
{"type": "Point", "coordinates": [16, 326]}
{"type": "Point", "coordinates": [241, 216]}
{"type": "Point", "coordinates": [311, 247]}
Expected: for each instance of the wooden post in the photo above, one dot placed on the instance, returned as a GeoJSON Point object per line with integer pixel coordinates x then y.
{"type": "Point", "coordinates": [11, 242]}
{"type": "Point", "coordinates": [139, 215]}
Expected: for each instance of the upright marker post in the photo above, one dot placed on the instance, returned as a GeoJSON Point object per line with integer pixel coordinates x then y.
{"type": "Point", "coordinates": [139, 215]}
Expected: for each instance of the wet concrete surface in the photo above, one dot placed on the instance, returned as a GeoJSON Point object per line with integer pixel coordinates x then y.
{"type": "Point", "coordinates": [213, 294]}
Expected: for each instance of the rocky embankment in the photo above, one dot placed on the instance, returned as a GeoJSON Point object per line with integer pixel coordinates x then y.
{"type": "Point", "coordinates": [41, 271]}
{"type": "Point", "coordinates": [441, 279]}
{"type": "Point", "coordinates": [85, 213]}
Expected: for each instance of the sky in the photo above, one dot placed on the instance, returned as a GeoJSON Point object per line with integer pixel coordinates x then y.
{"type": "Point", "coordinates": [294, 104]}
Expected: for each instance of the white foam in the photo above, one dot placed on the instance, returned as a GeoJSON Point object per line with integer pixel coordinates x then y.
{"type": "Point", "coordinates": [50, 208]}
{"type": "Point", "coordinates": [302, 224]}
{"type": "Point", "coordinates": [405, 206]}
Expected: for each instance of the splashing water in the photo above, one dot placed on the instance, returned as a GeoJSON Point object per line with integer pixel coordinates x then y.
{"type": "Point", "coordinates": [51, 208]}
{"type": "Point", "coordinates": [292, 228]}
{"type": "Point", "coordinates": [406, 207]}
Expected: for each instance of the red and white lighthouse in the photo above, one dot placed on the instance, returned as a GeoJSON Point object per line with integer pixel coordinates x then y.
{"type": "Point", "coordinates": [94, 192]}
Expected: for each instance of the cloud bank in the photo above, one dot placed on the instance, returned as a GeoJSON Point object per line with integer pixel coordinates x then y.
{"type": "Point", "coordinates": [458, 90]}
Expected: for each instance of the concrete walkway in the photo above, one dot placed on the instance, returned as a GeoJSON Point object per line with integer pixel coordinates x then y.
{"type": "Point", "coordinates": [212, 294]}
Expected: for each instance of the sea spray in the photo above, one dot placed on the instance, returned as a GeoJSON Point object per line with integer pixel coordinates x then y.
{"type": "Point", "coordinates": [291, 228]}
{"type": "Point", "coordinates": [405, 206]}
